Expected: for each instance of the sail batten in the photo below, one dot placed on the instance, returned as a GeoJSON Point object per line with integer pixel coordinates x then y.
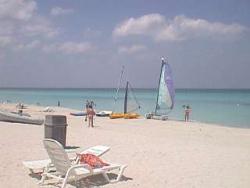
{"type": "Point", "coordinates": [166, 92]}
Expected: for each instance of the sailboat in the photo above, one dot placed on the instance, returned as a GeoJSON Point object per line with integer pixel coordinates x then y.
{"type": "Point", "coordinates": [165, 95]}
{"type": "Point", "coordinates": [127, 114]}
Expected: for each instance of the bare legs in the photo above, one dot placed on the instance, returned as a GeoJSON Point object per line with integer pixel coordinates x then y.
{"type": "Point", "coordinates": [91, 121]}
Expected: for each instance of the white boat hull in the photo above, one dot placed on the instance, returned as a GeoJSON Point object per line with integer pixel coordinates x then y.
{"type": "Point", "coordinates": [16, 118]}
{"type": "Point", "coordinates": [156, 117]}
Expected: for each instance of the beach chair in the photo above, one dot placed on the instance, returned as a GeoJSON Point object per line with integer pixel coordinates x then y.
{"type": "Point", "coordinates": [67, 171]}
{"type": "Point", "coordinates": [39, 166]}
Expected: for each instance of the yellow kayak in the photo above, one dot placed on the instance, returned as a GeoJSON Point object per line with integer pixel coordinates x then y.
{"type": "Point", "coordinates": [116, 115]}
{"type": "Point", "coordinates": [131, 116]}
{"type": "Point", "coordinates": [125, 116]}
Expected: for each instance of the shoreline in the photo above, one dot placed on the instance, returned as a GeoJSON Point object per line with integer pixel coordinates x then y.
{"type": "Point", "coordinates": [226, 108]}
{"type": "Point", "coordinates": [12, 107]}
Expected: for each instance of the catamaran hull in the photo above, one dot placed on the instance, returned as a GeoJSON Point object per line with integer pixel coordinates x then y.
{"type": "Point", "coordinates": [163, 117]}
{"type": "Point", "coordinates": [15, 118]}
{"type": "Point", "coordinates": [156, 117]}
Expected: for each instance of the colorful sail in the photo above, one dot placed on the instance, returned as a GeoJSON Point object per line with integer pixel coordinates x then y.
{"type": "Point", "coordinates": [166, 91]}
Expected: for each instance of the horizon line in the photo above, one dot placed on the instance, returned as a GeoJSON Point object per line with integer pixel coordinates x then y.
{"type": "Point", "coordinates": [121, 88]}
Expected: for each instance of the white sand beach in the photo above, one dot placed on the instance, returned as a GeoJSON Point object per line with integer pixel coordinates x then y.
{"type": "Point", "coordinates": [158, 153]}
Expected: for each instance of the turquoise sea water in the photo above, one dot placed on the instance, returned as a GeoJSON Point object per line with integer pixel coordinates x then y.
{"type": "Point", "coordinates": [224, 107]}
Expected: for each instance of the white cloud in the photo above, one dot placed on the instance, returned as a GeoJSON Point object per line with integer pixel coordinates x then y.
{"type": "Point", "coordinates": [5, 40]}
{"type": "Point", "coordinates": [131, 49]}
{"type": "Point", "coordinates": [182, 28]}
{"type": "Point", "coordinates": [91, 33]}
{"type": "Point", "coordinates": [6, 27]}
{"type": "Point", "coordinates": [31, 45]}
{"type": "Point", "coordinates": [56, 11]}
{"type": "Point", "coordinates": [177, 29]}
{"type": "Point", "coordinates": [74, 48]}
{"type": "Point", "coordinates": [149, 23]}
{"type": "Point", "coordinates": [69, 48]}
{"type": "Point", "coordinates": [49, 48]}
{"type": "Point", "coordinates": [17, 9]}
{"type": "Point", "coordinates": [39, 27]}
{"type": "Point", "coordinates": [21, 25]}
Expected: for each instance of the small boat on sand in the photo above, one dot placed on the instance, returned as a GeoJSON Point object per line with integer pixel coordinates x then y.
{"type": "Point", "coordinates": [103, 113]}
{"type": "Point", "coordinates": [23, 114]}
{"type": "Point", "coordinates": [19, 118]}
{"type": "Point", "coordinates": [126, 114]}
{"type": "Point", "coordinates": [78, 113]}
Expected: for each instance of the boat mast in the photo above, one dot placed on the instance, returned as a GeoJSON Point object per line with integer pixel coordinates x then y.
{"type": "Point", "coordinates": [118, 87]}
{"type": "Point", "coordinates": [162, 64]}
{"type": "Point", "coordinates": [126, 99]}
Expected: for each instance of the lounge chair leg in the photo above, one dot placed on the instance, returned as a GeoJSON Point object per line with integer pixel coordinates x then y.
{"type": "Point", "coordinates": [119, 175]}
{"type": "Point", "coordinates": [68, 174]}
{"type": "Point", "coordinates": [42, 179]}
{"type": "Point", "coordinates": [31, 171]}
{"type": "Point", "coordinates": [64, 183]}
{"type": "Point", "coordinates": [106, 176]}
{"type": "Point", "coordinates": [65, 180]}
{"type": "Point", "coordinates": [44, 175]}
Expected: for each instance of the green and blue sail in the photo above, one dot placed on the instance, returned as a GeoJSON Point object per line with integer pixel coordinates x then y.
{"type": "Point", "coordinates": [166, 91]}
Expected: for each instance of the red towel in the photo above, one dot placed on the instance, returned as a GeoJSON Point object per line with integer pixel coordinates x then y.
{"type": "Point", "coordinates": [92, 160]}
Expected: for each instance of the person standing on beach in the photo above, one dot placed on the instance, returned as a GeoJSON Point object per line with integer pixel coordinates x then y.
{"type": "Point", "coordinates": [86, 109]}
{"type": "Point", "coordinates": [187, 112]}
{"type": "Point", "coordinates": [91, 114]}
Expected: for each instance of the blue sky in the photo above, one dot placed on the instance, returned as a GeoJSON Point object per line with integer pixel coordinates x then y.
{"type": "Point", "coordinates": [84, 44]}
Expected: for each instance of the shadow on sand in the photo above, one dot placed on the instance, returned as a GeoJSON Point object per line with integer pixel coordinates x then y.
{"type": "Point", "coordinates": [97, 180]}
{"type": "Point", "coordinates": [88, 182]}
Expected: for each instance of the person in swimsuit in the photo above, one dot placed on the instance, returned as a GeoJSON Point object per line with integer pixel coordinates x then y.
{"type": "Point", "coordinates": [91, 113]}
{"type": "Point", "coordinates": [86, 110]}
{"type": "Point", "coordinates": [187, 112]}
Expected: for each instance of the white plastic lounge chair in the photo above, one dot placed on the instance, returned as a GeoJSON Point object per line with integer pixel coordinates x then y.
{"type": "Point", "coordinates": [38, 166]}
{"type": "Point", "coordinates": [67, 171]}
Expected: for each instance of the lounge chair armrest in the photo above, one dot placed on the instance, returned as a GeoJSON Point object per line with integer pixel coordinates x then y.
{"type": "Point", "coordinates": [77, 158]}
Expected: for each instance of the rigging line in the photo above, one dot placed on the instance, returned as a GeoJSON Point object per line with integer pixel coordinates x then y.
{"type": "Point", "coordinates": [119, 84]}
{"type": "Point", "coordinates": [132, 110]}
{"type": "Point", "coordinates": [132, 91]}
